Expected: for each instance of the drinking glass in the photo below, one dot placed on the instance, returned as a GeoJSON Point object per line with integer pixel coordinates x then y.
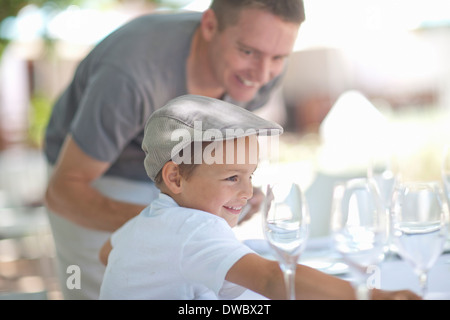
{"type": "Point", "coordinates": [359, 228]}
{"type": "Point", "coordinates": [383, 171]}
{"type": "Point", "coordinates": [286, 226]}
{"type": "Point", "coordinates": [419, 226]}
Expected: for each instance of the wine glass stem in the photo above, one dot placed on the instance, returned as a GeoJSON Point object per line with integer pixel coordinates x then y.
{"type": "Point", "coordinates": [423, 280]}
{"type": "Point", "coordinates": [289, 280]}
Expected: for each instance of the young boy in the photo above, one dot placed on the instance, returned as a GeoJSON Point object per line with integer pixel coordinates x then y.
{"type": "Point", "coordinates": [182, 245]}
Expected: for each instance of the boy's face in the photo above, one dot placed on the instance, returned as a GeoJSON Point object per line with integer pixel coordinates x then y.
{"type": "Point", "coordinates": [249, 54]}
{"type": "Point", "coordinates": [221, 189]}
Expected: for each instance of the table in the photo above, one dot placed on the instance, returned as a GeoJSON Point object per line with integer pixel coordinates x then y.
{"type": "Point", "coordinates": [397, 274]}
{"type": "Point", "coordinates": [391, 274]}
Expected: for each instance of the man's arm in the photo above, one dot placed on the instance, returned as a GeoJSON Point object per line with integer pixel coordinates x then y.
{"type": "Point", "coordinates": [265, 277]}
{"type": "Point", "coordinates": [70, 195]}
{"type": "Point", "coordinates": [104, 252]}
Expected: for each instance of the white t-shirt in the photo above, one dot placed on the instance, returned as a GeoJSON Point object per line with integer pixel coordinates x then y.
{"type": "Point", "coordinates": [170, 252]}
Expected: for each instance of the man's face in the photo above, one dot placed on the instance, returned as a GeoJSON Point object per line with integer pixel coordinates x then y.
{"type": "Point", "coordinates": [247, 55]}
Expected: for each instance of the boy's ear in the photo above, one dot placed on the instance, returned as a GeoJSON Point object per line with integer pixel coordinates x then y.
{"type": "Point", "coordinates": [171, 177]}
{"type": "Point", "coordinates": [209, 24]}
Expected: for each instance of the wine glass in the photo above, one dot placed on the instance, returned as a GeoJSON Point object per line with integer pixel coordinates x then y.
{"type": "Point", "coordinates": [419, 225]}
{"type": "Point", "coordinates": [384, 172]}
{"type": "Point", "coordinates": [359, 228]}
{"type": "Point", "coordinates": [286, 226]}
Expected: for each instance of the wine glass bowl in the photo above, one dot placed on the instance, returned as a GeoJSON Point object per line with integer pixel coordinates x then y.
{"type": "Point", "coordinates": [286, 227]}
{"type": "Point", "coordinates": [384, 173]}
{"type": "Point", "coordinates": [419, 225]}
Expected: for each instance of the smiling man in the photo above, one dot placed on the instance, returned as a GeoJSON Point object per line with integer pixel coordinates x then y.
{"type": "Point", "coordinates": [238, 57]}
{"type": "Point", "coordinates": [234, 51]}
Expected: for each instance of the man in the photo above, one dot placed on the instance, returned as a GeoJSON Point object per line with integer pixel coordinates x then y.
{"type": "Point", "coordinates": [234, 51]}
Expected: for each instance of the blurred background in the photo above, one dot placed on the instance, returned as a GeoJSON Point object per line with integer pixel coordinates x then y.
{"type": "Point", "coordinates": [366, 77]}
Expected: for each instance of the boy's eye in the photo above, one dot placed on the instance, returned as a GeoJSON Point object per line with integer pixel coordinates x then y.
{"type": "Point", "coordinates": [232, 178]}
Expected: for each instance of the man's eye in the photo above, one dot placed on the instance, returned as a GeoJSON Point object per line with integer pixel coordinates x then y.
{"type": "Point", "coordinates": [247, 52]}
{"type": "Point", "coordinates": [279, 58]}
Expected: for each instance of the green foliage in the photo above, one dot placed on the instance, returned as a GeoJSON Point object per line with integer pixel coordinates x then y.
{"type": "Point", "coordinates": [41, 105]}
{"type": "Point", "coordinates": [40, 111]}
{"type": "Point", "coordinates": [12, 7]}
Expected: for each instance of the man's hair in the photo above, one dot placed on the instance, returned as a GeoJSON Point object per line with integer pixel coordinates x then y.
{"type": "Point", "coordinates": [227, 11]}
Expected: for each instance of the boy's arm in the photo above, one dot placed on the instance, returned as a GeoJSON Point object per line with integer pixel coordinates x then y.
{"type": "Point", "coordinates": [265, 277]}
{"type": "Point", "coordinates": [104, 252]}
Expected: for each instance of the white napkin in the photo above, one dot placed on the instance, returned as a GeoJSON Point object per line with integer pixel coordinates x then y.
{"type": "Point", "coordinates": [353, 131]}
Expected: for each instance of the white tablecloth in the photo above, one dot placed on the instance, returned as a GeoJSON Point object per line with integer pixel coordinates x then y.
{"type": "Point", "coordinates": [398, 274]}
{"type": "Point", "coordinates": [394, 273]}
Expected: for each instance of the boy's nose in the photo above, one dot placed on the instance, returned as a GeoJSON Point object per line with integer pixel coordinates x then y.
{"type": "Point", "coordinates": [247, 190]}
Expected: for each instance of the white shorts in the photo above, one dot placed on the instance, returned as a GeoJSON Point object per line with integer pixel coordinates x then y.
{"type": "Point", "coordinates": [79, 269]}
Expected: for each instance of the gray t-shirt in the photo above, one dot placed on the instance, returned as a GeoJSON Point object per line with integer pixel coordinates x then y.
{"type": "Point", "coordinates": [134, 71]}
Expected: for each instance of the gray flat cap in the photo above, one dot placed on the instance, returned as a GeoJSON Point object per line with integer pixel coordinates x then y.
{"type": "Point", "coordinates": [193, 118]}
